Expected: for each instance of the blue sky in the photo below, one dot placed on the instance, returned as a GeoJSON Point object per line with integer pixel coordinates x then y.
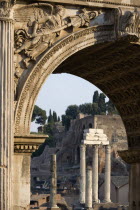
{"type": "Point", "coordinates": [61, 90]}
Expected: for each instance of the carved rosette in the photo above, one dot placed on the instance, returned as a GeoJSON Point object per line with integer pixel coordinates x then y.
{"type": "Point", "coordinates": [28, 144]}
{"type": "Point", "coordinates": [130, 156]}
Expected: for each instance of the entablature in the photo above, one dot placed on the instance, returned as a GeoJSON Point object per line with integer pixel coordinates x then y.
{"type": "Point", "coordinates": [94, 3]}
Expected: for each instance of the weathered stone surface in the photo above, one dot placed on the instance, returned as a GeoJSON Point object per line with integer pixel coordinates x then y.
{"type": "Point", "coordinates": [96, 40]}
{"type": "Point", "coordinates": [21, 182]}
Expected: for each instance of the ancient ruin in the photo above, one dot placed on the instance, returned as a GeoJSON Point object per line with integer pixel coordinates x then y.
{"type": "Point", "coordinates": [94, 138]}
{"type": "Point", "coordinates": [96, 40]}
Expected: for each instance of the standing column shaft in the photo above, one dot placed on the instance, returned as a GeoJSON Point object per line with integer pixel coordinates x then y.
{"type": "Point", "coordinates": [6, 105]}
{"type": "Point", "coordinates": [53, 182]}
{"type": "Point", "coordinates": [107, 173]}
{"type": "Point", "coordinates": [95, 174]}
{"type": "Point", "coordinates": [82, 173]}
{"type": "Point", "coordinates": [89, 188]}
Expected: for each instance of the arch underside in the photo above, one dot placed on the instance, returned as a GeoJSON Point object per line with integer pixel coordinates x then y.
{"type": "Point", "coordinates": [113, 66]}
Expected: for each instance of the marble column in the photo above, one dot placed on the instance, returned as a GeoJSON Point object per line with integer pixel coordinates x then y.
{"type": "Point", "coordinates": [89, 188]}
{"type": "Point", "coordinates": [53, 190]}
{"type": "Point", "coordinates": [95, 174]}
{"type": "Point", "coordinates": [82, 173]}
{"type": "Point", "coordinates": [107, 173]}
{"type": "Point", "coordinates": [6, 105]}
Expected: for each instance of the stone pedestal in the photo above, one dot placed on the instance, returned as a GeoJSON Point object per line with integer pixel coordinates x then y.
{"type": "Point", "coordinates": [23, 148]}
{"type": "Point", "coordinates": [21, 181]}
{"type": "Point", "coordinates": [82, 173]}
{"type": "Point", "coordinates": [6, 105]}
{"type": "Point", "coordinates": [107, 173]}
{"type": "Point", "coordinates": [95, 174]}
{"type": "Point", "coordinates": [89, 188]}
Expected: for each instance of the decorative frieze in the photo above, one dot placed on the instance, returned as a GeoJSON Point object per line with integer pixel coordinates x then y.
{"type": "Point", "coordinates": [28, 144]}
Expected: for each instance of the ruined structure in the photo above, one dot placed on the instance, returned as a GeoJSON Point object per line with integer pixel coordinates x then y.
{"type": "Point", "coordinates": [96, 40]}
{"type": "Point", "coordinates": [94, 138]}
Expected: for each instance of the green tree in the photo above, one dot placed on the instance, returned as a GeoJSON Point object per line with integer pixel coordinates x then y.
{"type": "Point", "coordinates": [54, 116]}
{"type": "Point", "coordinates": [72, 111]}
{"type": "Point", "coordinates": [102, 104]}
{"type": "Point", "coordinates": [86, 108]}
{"type": "Point", "coordinates": [111, 109]}
{"type": "Point", "coordinates": [50, 118]}
{"type": "Point", "coordinates": [95, 97]}
{"type": "Point", "coordinates": [58, 119]}
{"type": "Point", "coordinates": [66, 121]}
{"type": "Point", "coordinates": [95, 109]}
{"type": "Point", "coordinates": [39, 115]}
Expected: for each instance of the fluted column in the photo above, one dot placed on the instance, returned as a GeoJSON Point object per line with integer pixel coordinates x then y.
{"type": "Point", "coordinates": [95, 174]}
{"type": "Point", "coordinates": [53, 190]}
{"type": "Point", "coordinates": [6, 105]}
{"type": "Point", "coordinates": [89, 188]}
{"type": "Point", "coordinates": [107, 173]}
{"type": "Point", "coordinates": [82, 173]}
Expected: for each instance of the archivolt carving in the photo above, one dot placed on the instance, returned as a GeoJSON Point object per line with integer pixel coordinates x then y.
{"type": "Point", "coordinates": [85, 43]}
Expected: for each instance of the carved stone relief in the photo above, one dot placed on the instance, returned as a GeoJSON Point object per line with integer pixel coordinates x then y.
{"type": "Point", "coordinates": [45, 29]}
{"type": "Point", "coordinates": [38, 26]}
{"type": "Point", "coordinates": [6, 11]}
{"type": "Point", "coordinates": [130, 22]}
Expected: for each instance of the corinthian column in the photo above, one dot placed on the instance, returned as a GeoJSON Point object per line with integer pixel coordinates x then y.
{"type": "Point", "coordinates": [95, 174]}
{"type": "Point", "coordinates": [6, 105]}
{"type": "Point", "coordinates": [82, 173]}
{"type": "Point", "coordinates": [107, 173]}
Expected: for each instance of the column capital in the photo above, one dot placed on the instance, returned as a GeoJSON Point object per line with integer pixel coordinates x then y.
{"type": "Point", "coordinates": [28, 144]}
{"type": "Point", "coordinates": [130, 156]}
{"type": "Point", "coordinates": [95, 146]}
{"type": "Point", "coordinates": [108, 149]}
{"type": "Point", "coordinates": [83, 146]}
{"type": "Point", "coordinates": [6, 11]}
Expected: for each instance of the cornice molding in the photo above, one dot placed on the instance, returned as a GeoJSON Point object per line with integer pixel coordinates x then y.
{"type": "Point", "coordinates": [93, 3]}
{"type": "Point", "coordinates": [28, 143]}
{"type": "Point", "coordinates": [130, 156]}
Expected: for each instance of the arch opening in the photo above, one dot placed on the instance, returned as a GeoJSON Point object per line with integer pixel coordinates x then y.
{"type": "Point", "coordinates": [108, 65]}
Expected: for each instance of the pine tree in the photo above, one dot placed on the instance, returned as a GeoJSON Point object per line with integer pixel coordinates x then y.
{"type": "Point", "coordinates": [50, 118]}
{"type": "Point", "coordinates": [58, 120]}
{"type": "Point", "coordinates": [96, 97]}
{"type": "Point", "coordinates": [102, 104]}
{"type": "Point", "coordinates": [39, 115]}
{"type": "Point", "coordinates": [111, 109]}
{"type": "Point", "coordinates": [54, 116]}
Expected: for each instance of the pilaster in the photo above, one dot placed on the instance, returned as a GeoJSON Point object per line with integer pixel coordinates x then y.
{"type": "Point", "coordinates": [6, 104]}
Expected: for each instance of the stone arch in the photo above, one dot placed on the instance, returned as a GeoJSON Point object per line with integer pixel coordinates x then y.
{"type": "Point", "coordinates": [90, 125]}
{"type": "Point", "coordinates": [94, 59]}
{"type": "Point", "coordinates": [28, 90]}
